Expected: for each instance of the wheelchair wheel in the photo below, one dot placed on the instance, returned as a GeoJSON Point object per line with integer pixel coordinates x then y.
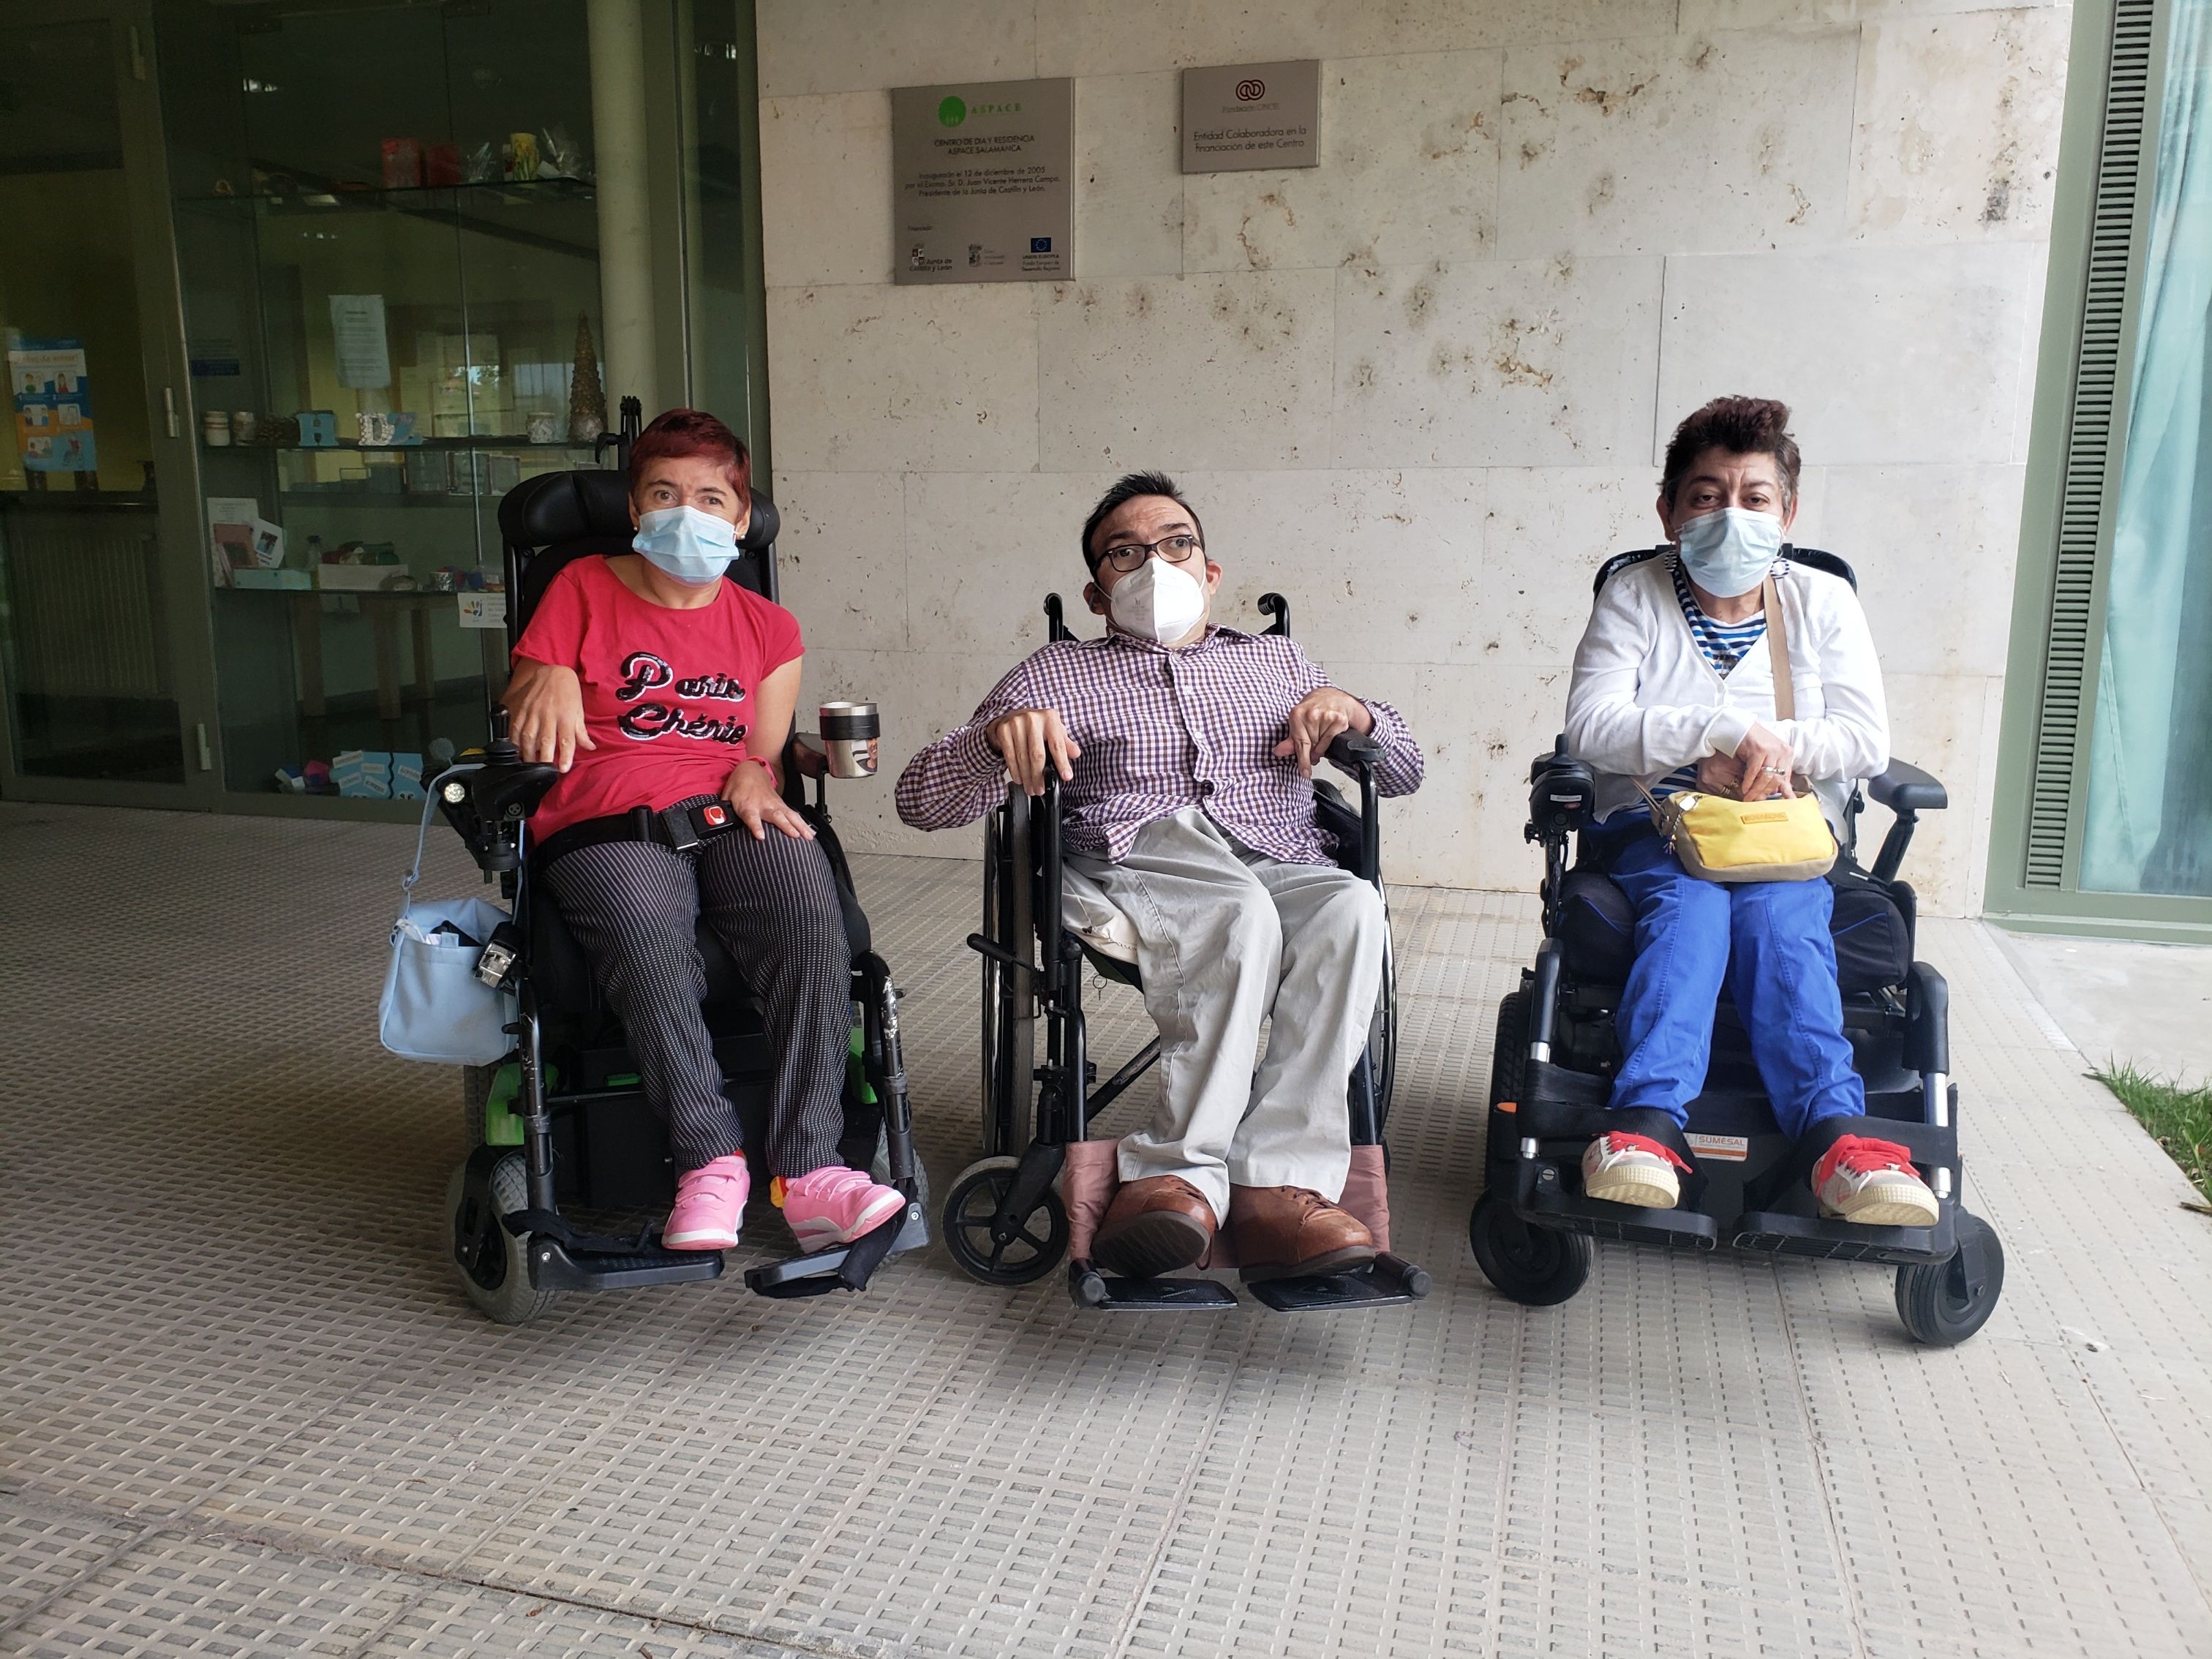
{"type": "Point", "coordinates": [1536, 1266]}
{"type": "Point", "coordinates": [476, 1093]}
{"type": "Point", "coordinates": [1510, 1050]}
{"type": "Point", "coordinates": [1942, 1303]}
{"type": "Point", "coordinates": [1031, 1253]}
{"type": "Point", "coordinates": [493, 1264]}
{"type": "Point", "coordinates": [1008, 1022]}
{"type": "Point", "coordinates": [1383, 1036]}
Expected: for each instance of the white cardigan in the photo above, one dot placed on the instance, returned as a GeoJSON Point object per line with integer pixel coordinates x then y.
{"type": "Point", "coordinates": [1644, 699]}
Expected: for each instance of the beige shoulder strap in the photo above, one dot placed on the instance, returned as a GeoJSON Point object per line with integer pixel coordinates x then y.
{"type": "Point", "coordinates": [1777, 648]}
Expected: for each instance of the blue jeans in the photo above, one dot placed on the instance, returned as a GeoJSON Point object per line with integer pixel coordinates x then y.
{"type": "Point", "coordinates": [1769, 941]}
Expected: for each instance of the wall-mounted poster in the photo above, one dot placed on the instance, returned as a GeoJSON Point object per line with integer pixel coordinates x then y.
{"type": "Point", "coordinates": [53, 405]}
{"type": "Point", "coordinates": [981, 182]}
{"type": "Point", "coordinates": [1242, 118]}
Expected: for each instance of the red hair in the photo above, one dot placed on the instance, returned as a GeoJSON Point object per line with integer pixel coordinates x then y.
{"type": "Point", "coordinates": [679, 432]}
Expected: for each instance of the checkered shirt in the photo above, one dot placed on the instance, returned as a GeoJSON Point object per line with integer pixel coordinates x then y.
{"type": "Point", "coordinates": [1160, 729]}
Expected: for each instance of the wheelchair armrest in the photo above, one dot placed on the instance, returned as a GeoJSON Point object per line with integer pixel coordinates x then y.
{"type": "Point", "coordinates": [805, 755]}
{"type": "Point", "coordinates": [1562, 795]}
{"type": "Point", "coordinates": [1908, 792]}
{"type": "Point", "coordinates": [1352, 751]}
{"type": "Point", "coordinates": [1906, 789]}
{"type": "Point", "coordinates": [486, 801]}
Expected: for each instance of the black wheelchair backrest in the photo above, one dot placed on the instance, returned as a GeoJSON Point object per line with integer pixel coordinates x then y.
{"type": "Point", "coordinates": [556, 517]}
{"type": "Point", "coordinates": [1811, 556]}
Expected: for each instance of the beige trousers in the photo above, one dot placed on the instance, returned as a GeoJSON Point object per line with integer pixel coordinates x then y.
{"type": "Point", "coordinates": [1226, 938]}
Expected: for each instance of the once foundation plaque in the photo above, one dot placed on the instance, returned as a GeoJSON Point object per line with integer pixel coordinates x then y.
{"type": "Point", "coordinates": [1247, 115]}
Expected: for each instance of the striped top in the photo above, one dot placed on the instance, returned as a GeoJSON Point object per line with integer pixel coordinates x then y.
{"type": "Point", "coordinates": [1724, 644]}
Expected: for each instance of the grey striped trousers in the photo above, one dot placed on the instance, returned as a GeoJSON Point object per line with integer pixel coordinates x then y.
{"type": "Point", "coordinates": [633, 906]}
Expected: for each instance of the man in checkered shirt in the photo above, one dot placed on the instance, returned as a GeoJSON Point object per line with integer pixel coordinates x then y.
{"type": "Point", "coordinates": [1185, 751]}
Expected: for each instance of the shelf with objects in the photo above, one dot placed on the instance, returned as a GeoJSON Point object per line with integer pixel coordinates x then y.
{"type": "Point", "coordinates": [390, 271]}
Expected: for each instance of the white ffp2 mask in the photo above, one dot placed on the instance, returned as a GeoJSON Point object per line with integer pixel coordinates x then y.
{"type": "Point", "coordinates": [1157, 601]}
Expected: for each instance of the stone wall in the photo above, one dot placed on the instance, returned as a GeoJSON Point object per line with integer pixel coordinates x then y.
{"type": "Point", "coordinates": [1423, 389]}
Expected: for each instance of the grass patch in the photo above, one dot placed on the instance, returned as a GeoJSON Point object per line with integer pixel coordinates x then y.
{"type": "Point", "coordinates": [2180, 1120]}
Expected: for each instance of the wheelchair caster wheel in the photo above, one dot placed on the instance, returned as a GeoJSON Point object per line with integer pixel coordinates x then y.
{"type": "Point", "coordinates": [1944, 1303]}
{"type": "Point", "coordinates": [1039, 1239]}
{"type": "Point", "coordinates": [1536, 1266]}
{"type": "Point", "coordinates": [495, 1265]}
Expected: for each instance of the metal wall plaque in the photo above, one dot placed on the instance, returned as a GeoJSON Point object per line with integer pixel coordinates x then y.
{"type": "Point", "coordinates": [982, 182]}
{"type": "Point", "coordinates": [1247, 115]}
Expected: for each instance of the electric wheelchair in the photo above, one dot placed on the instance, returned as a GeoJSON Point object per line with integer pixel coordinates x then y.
{"type": "Point", "coordinates": [1748, 1187]}
{"type": "Point", "coordinates": [1003, 1221]}
{"type": "Point", "coordinates": [563, 1122]}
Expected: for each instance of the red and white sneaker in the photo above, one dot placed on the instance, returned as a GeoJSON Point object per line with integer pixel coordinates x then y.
{"type": "Point", "coordinates": [1626, 1169]}
{"type": "Point", "coordinates": [834, 1206]}
{"type": "Point", "coordinates": [710, 1200]}
{"type": "Point", "coordinates": [1874, 1183]}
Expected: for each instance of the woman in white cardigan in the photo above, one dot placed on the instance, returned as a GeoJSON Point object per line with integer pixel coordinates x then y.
{"type": "Point", "coordinates": [1669, 692]}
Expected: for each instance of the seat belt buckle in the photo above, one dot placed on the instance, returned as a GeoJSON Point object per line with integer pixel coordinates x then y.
{"type": "Point", "coordinates": [712, 818]}
{"type": "Point", "coordinates": [677, 820]}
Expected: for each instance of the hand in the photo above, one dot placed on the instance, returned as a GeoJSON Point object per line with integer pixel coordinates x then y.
{"type": "Point", "coordinates": [545, 713]}
{"type": "Point", "coordinates": [750, 791]}
{"type": "Point", "coordinates": [1720, 775]}
{"type": "Point", "coordinates": [1319, 718]}
{"type": "Point", "coordinates": [1030, 738]}
{"type": "Point", "coordinates": [1767, 760]}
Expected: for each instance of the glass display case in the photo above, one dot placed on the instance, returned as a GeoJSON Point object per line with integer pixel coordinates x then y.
{"type": "Point", "coordinates": [388, 245]}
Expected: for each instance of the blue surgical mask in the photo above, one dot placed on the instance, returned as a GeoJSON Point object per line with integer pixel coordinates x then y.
{"type": "Point", "coordinates": [684, 542]}
{"type": "Point", "coordinates": [1729, 551]}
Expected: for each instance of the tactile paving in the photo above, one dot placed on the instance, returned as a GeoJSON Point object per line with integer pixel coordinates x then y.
{"type": "Point", "coordinates": [244, 1408]}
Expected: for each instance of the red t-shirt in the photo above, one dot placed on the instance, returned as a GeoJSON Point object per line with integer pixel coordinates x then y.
{"type": "Point", "coordinates": [666, 691]}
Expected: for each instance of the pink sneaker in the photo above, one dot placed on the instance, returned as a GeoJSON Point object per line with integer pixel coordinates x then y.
{"type": "Point", "coordinates": [834, 1206]}
{"type": "Point", "coordinates": [710, 1202]}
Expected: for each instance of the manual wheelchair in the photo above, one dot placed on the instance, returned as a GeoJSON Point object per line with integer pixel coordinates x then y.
{"type": "Point", "coordinates": [1003, 1220]}
{"type": "Point", "coordinates": [1556, 1053]}
{"type": "Point", "coordinates": [563, 1122]}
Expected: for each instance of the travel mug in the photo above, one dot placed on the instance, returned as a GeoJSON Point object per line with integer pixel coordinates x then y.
{"type": "Point", "coordinates": [851, 732]}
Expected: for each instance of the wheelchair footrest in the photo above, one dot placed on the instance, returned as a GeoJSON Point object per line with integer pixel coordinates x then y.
{"type": "Point", "coordinates": [1778, 1232]}
{"type": "Point", "coordinates": [1385, 1281]}
{"type": "Point", "coordinates": [842, 1267]}
{"type": "Point", "coordinates": [1542, 1199]}
{"type": "Point", "coordinates": [553, 1267]}
{"type": "Point", "coordinates": [1091, 1289]}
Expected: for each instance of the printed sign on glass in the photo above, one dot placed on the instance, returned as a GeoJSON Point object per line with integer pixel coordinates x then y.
{"type": "Point", "coordinates": [52, 400]}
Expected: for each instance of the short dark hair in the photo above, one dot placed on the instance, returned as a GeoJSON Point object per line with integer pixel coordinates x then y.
{"type": "Point", "coordinates": [1127, 487]}
{"type": "Point", "coordinates": [1741, 426]}
{"type": "Point", "coordinates": [679, 432]}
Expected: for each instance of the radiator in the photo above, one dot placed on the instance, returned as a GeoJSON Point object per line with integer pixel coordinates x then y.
{"type": "Point", "coordinates": [84, 591]}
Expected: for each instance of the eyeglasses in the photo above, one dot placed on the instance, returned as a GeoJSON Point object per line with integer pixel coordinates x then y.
{"type": "Point", "coordinates": [1176, 549]}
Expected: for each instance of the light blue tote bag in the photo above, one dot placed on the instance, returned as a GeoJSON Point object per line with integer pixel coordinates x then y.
{"type": "Point", "coordinates": [434, 1008]}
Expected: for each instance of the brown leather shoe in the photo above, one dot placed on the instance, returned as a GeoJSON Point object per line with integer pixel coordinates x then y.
{"type": "Point", "coordinates": [1287, 1232]}
{"type": "Point", "coordinates": [1153, 1226]}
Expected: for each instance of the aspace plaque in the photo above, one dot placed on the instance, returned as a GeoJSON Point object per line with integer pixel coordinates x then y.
{"type": "Point", "coordinates": [1247, 115]}
{"type": "Point", "coordinates": [982, 182]}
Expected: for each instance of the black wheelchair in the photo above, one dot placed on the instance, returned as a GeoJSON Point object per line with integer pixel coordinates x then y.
{"type": "Point", "coordinates": [1003, 1221]}
{"type": "Point", "coordinates": [1748, 1186]}
{"type": "Point", "coordinates": [563, 1122]}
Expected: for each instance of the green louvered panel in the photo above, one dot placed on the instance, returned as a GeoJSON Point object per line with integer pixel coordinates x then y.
{"type": "Point", "coordinates": [2067, 699]}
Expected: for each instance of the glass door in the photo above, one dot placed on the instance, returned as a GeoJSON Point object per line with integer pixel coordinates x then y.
{"type": "Point", "coordinates": [97, 654]}
{"type": "Point", "coordinates": [388, 228]}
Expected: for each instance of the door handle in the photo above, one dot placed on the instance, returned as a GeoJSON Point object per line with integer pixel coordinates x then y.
{"type": "Point", "coordinates": [169, 409]}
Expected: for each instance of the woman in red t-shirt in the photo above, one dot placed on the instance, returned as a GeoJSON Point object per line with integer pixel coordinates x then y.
{"type": "Point", "coordinates": [650, 682]}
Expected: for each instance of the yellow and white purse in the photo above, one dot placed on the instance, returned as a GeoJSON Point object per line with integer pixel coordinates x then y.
{"type": "Point", "coordinates": [1785, 839]}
